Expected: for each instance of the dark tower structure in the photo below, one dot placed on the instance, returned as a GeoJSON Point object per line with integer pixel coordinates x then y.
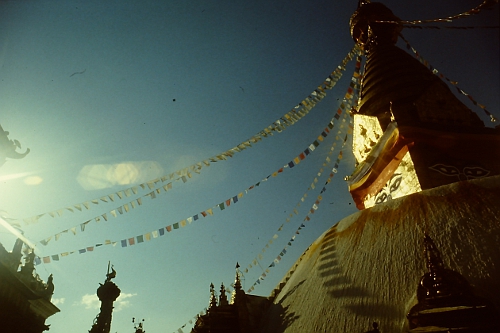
{"type": "Point", "coordinates": [423, 129]}
{"type": "Point", "coordinates": [107, 293]}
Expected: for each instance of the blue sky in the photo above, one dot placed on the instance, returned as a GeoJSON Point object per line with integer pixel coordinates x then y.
{"type": "Point", "coordinates": [169, 84]}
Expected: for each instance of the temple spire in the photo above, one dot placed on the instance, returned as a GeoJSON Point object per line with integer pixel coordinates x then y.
{"type": "Point", "coordinates": [237, 286]}
{"type": "Point", "coordinates": [222, 297]}
{"type": "Point", "coordinates": [213, 298]}
{"type": "Point", "coordinates": [107, 293]}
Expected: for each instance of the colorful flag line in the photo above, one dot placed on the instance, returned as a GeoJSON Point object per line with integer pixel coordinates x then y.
{"type": "Point", "coordinates": [255, 260]}
{"type": "Point", "coordinates": [290, 118]}
{"type": "Point", "coordinates": [348, 98]}
{"type": "Point", "coordinates": [295, 210]}
{"type": "Point", "coordinates": [314, 207]}
{"type": "Point", "coordinates": [316, 204]}
{"type": "Point", "coordinates": [114, 213]}
{"type": "Point", "coordinates": [191, 321]}
{"type": "Point", "coordinates": [487, 4]}
{"type": "Point", "coordinates": [459, 28]}
{"type": "Point", "coordinates": [441, 76]}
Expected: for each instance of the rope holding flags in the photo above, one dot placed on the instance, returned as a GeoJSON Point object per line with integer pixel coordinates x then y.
{"type": "Point", "coordinates": [441, 76]}
{"type": "Point", "coordinates": [458, 28]}
{"type": "Point", "coordinates": [486, 4]}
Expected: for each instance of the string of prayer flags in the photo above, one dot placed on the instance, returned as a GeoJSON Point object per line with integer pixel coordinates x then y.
{"type": "Point", "coordinates": [486, 4]}
{"type": "Point", "coordinates": [352, 92]}
{"type": "Point", "coordinates": [441, 76]}
{"type": "Point", "coordinates": [103, 217]}
{"type": "Point", "coordinates": [288, 119]}
{"type": "Point", "coordinates": [444, 27]}
{"type": "Point", "coordinates": [295, 209]}
{"type": "Point", "coordinates": [314, 207]}
{"type": "Point", "coordinates": [297, 232]}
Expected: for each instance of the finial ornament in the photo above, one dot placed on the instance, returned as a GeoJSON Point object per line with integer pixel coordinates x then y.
{"type": "Point", "coordinates": [8, 147]}
{"type": "Point", "coordinates": [446, 299]}
{"type": "Point", "coordinates": [222, 297]}
{"type": "Point", "coordinates": [213, 298]}
{"type": "Point", "coordinates": [138, 326]}
{"type": "Point", "coordinates": [110, 275]}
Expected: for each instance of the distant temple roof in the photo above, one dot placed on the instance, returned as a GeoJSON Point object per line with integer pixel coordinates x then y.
{"type": "Point", "coordinates": [24, 297]}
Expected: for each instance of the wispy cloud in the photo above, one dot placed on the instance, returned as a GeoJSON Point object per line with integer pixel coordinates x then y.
{"type": "Point", "coordinates": [92, 302]}
{"type": "Point", "coordinates": [57, 301]}
{"type": "Point", "coordinates": [123, 301]}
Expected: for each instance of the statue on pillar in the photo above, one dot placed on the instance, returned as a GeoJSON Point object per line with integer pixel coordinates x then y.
{"type": "Point", "coordinates": [107, 294]}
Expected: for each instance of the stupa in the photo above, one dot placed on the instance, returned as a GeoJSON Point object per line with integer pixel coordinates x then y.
{"type": "Point", "coordinates": [422, 252]}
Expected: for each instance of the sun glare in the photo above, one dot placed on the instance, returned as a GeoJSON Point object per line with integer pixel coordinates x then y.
{"type": "Point", "coordinates": [33, 180]}
{"type": "Point", "coordinates": [100, 176]}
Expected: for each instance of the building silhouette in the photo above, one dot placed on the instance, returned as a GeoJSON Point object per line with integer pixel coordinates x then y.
{"type": "Point", "coordinates": [24, 298]}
